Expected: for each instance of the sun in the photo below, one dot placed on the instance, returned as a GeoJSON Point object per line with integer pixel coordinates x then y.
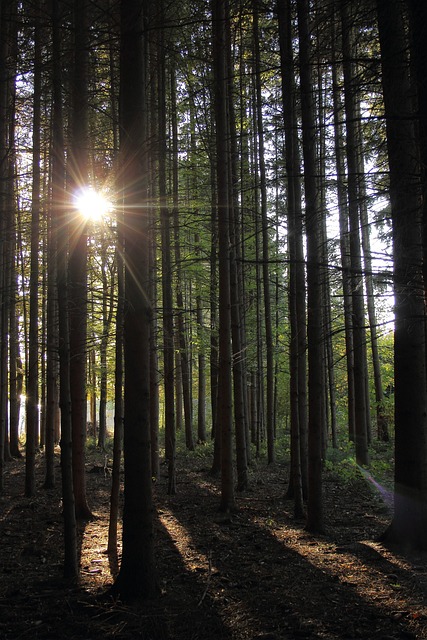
{"type": "Point", "coordinates": [92, 205]}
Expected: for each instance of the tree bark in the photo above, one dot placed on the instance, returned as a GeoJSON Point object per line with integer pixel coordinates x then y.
{"type": "Point", "coordinates": [225, 405]}
{"type": "Point", "coordinates": [314, 278]}
{"type": "Point", "coordinates": [409, 524]}
{"type": "Point", "coordinates": [137, 575]}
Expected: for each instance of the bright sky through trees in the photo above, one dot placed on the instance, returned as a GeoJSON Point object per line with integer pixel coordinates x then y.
{"type": "Point", "coordinates": [92, 205]}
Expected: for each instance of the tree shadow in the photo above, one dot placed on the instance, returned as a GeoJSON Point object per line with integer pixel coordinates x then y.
{"type": "Point", "coordinates": [260, 582]}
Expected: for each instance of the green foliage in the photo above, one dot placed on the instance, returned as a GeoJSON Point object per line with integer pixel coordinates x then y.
{"type": "Point", "coordinates": [341, 465]}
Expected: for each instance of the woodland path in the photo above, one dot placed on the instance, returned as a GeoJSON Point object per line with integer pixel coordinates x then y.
{"type": "Point", "coordinates": [260, 576]}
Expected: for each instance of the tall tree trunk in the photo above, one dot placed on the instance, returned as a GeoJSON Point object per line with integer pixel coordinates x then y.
{"type": "Point", "coordinates": [409, 524]}
{"type": "Point", "coordinates": [32, 395]}
{"type": "Point", "coordinates": [51, 355]}
{"type": "Point", "coordinates": [344, 238]}
{"type": "Point", "coordinates": [418, 23]}
{"type": "Point", "coordinates": [107, 316]}
{"type": "Point", "coordinates": [225, 408]}
{"type": "Point", "coordinates": [137, 575]}
{"type": "Point", "coordinates": [294, 240]}
{"type": "Point", "coordinates": [168, 328]}
{"type": "Point", "coordinates": [382, 421]}
{"type": "Point", "coordinates": [181, 331]}
{"type": "Point", "coordinates": [265, 246]}
{"type": "Point", "coordinates": [314, 277]}
{"type": "Point", "coordinates": [358, 316]}
{"type": "Point", "coordinates": [77, 268]}
{"type": "Point", "coordinates": [118, 405]}
{"type": "Point", "coordinates": [60, 242]}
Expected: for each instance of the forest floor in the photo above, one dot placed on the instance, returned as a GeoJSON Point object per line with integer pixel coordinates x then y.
{"type": "Point", "coordinates": [258, 576]}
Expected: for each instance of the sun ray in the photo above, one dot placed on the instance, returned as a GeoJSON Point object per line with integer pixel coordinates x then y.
{"type": "Point", "coordinates": [92, 205]}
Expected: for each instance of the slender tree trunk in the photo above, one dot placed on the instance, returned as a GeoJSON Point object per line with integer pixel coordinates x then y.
{"type": "Point", "coordinates": [382, 421]}
{"type": "Point", "coordinates": [344, 241]}
{"type": "Point", "coordinates": [118, 405]}
{"type": "Point", "coordinates": [15, 366]}
{"type": "Point", "coordinates": [314, 277]}
{"type": "Point", "coordinates": [358, 316]}
{"type": "Point", "coordinates": [32, 395]}
{"type": "Point", "coordinates": [201, 402]}
{"type": "Point", "coordinates": [168, 325]}
{"type": "Point", "coordinates": [225, 408]}
{"type": "Point", "coordinates": [182, 338]}
{"type": "Point", "coordinates": [51, 355]}
{"type": "Point", "coordinates": [265, 247]}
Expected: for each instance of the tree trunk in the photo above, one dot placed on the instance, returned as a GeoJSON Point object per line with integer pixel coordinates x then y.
{"type": "Point", "coordinates": [32, 395]}
{"type": "Point", "coordinates": [409, 524]}
{"type": "Point", "coordinates": [59, 229]}
{"type": "Point", "coordinates": [137, 575]}
{"type": "Point", "coordinates": [168, 328]}
{"type": "Point", "coordinates": [314, 278]}
{"type": "Point", "coordinates": [358, 316]}
{"type": "Point", "coordinates": [344, 240]}
{"type": "Point", "coordinates": [294, 239]}
{"type": "Point", "coordinates": [77, 268]}
{"type": "Point", "coordinates": [269, 367]}
{"type": "Point", "coordinates": [225, 404]}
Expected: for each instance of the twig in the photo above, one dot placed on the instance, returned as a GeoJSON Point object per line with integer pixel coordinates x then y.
{"type": "Point", "coordinates": [208, 579]}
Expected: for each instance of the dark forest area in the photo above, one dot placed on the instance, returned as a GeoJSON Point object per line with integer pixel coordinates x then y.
{"type": "Point", "coordinates": [213, 283]}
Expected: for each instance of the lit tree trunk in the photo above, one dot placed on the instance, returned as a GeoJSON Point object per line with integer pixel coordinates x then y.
{"type": "Point", "coordinates": [409, 524]}
{"type": "Point", "coordinates": [118, 404]}
{"type": "Point", "coordinates": [107, 316]}
{"type": "Point", "coordinates": [137, 575]}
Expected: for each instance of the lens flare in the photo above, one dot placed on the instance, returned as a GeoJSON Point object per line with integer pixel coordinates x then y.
{"type": "Point", "coordinates": [92, 205]}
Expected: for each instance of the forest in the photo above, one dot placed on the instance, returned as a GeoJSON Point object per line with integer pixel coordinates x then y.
{"type": "Point", "coordinates": [213, 365]}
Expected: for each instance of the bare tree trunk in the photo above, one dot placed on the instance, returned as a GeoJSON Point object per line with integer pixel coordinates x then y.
{"type": "Point", "coordinates": [314, 277]}
{"type": "Point", "coordinates": [358, 316]}
{"type": "Point", "coordinates": [409, 524]}
{"type": "Point", "coordinates": [225, 408]}
{"type": "Point", "coordinates": [294, 210]}
{"type": "Point", "coordinates": [137, 575]}
{"type": "Point", "coordinates": [344, 240]}
{"type": "Point", "coordinates": [32, 394]}
{"type": "Point", "coordinates": [265, 248]}
{"type": "Point", "coordinates": [60, 242]}
{"type": "Point", "coordinates": [168, 328]}
{"type": "Point", "coordinates": [77, 268]}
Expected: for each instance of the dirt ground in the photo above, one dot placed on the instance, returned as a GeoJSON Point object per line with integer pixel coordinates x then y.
{"type": "Point", "coordinates": [260, 576]}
